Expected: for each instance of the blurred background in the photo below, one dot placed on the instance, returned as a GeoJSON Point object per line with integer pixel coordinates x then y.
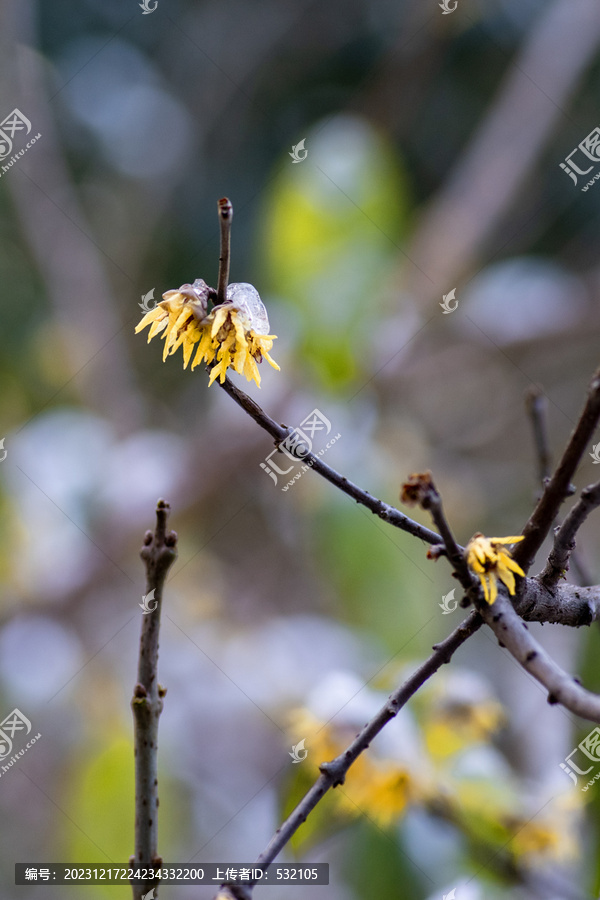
{"type": "Point", "coordinates": [433, 147]}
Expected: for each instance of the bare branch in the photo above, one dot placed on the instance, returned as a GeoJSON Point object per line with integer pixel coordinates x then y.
{"type": "Point", "coordinates": [559, 486]}
{"type": "Point", "coordinates": [561, 604]}
{"type": "Point", "coordinates": [225, 217]}
{"type": "Point", "coordinates": [159, 552]}
{"type": "Point", "coordinates": [333, 773]}
{"type": "Point", "coordinates": [420, 489]}
{"type": "Point", "coordinates": [513, 634]}
{"type": "Point", "coordinates": [378, 507]}
{"type": "Point", "coordinates": [564, 539]}
{"type": "Point", "coordinates": [537, 406]}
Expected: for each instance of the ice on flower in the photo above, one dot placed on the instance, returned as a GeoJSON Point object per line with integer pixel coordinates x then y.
{"type": "Point", "coordinates": [246, 299]}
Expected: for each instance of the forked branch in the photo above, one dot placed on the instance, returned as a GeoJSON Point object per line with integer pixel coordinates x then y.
{"type": "Point", "coordinates": [558, 488]}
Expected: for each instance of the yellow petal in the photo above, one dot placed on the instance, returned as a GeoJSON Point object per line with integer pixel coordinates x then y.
{"type": "Point", "coordinates": [170, 338]}
{"type": "Point", "coordinates": [239, 330]}
{"type": "Point", "coordinates": [220, 316]}
{"type": "Point", "coordinates": [508, 540]}
{"type": "Point", "coordinates": [239, 360]}
{"type": "Point", "coordinates": [251, 370]}
{"type": "Point", "coordinates": [493, 588]}
{"type": "Point", "coordinates": [205, 349]}
{"type": "Point", "coordinates": [149, 317]}
{"type": "Point", "coordinates": [188, 345]}
{"type": "Point", "coordinates": [182, 318]}
{"type": "Point", "coordinates": [157, 326]}
{"type": "Point", "coordinates": [510, 563]}
{"type": "Point", "coordinates": [480, 553]}
{"type": "Point", "coordinates": [216, 370]}
{"type": "Point", "coordinates": [227, 346]}
{"type": "Point", "coordinates": [270, 361]}
{"type": "Point", "coordinates": [484, 585]}
{"type": "Point", "coordinates": [507, 577]}
{"type": "Point", "coordinates": [475, 565]}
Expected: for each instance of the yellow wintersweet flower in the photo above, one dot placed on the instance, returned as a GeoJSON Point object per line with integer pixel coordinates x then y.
{"type": "Point", "coordinates": [381, 788]}
{"type": "Point", "coordinates": [533, 839]}
{"type": "Point", "coordinates": [238, 335]}
{"type": "Point", "coordinates": [458, 725]}
{"type": "Point", "coordinates": [553, 836]}
{"type": "Point", "coordinates": [489, 560]}
{"type": "Point", "coordinates": [235, 333]}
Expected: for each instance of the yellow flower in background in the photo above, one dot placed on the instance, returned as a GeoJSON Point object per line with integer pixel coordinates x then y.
{"type": "Point", "coordinates": [456, 726]}
{"type": "Point", "coordinates": [379, 788]}
{"type": "Point", "coordinates": [235, 333]}
{"type": "Point", "coordinates": [551, 835]}
{"type": "Point", "coordinates": [534, 839]}
{"type": "Point", "coordinates": [490, 560]}
{"type": "Point", "coordinates": [458, 712]}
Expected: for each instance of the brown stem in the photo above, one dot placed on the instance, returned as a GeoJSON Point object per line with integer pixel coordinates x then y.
{"type": "Point", "coordinates": [225, 217]}
{"type": "Point", "coordinates": [159, 552]}
{"type": "Point", "coordinates": [537, 405]}
{"type": "Point", "coordinates": [378, 507]}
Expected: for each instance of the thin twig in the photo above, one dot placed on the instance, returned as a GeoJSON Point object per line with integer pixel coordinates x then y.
{"type": "Point", "coordinates": [564, 539]}
{"type": "Point", "coordinates": [537, 406]}
{"type": "Point", "coordinates": [420, 489]}
{"type": "Point", "coordinates": [333, 773]}
{"type": "Point", "coordinates": [159, 552]}
{"type": "Point", "coordinates": [378, 507]}
{"type": "Point", "coordinates": [225, 217]}
{"type": "Point", "coordinates": [559, 485]}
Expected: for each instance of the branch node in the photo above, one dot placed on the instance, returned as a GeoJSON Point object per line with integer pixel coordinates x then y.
{"type": "Point", "coordinates": [336, 770]}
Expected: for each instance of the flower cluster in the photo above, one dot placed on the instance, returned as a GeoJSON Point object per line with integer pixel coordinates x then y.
{"type": "Point", "coordinates": [235, 333]}
{"type": "Point", "coordinates": [490, 560]}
